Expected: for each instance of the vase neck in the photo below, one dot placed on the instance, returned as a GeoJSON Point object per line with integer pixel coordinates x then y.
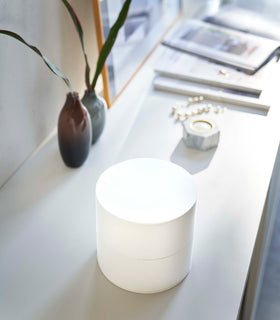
{"type": "Point", "coordinates": [72, 99]}
{"type": "Point", "coordinates": [90, 93]}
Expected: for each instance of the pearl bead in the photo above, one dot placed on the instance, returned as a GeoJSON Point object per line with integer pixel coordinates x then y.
{"type": "Point", "coordinates": [199, 110]}
{"type": "Point", "coordinates": [174, 110]}
{"type": "Point", "coordinates": [182, 118]}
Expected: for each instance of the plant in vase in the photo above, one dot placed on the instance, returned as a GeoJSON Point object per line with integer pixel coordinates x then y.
{"type": "Point", "coordinates": [74, 124]}
{"type": "Point", "coordinates": [96, 105]}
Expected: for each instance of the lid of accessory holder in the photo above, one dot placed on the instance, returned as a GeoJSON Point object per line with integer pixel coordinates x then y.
{"type": "Point", "coordinates": [146, 191]}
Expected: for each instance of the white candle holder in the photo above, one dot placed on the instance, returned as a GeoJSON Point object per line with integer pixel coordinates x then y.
{"type": "Point", "coordinates": [200, 133]}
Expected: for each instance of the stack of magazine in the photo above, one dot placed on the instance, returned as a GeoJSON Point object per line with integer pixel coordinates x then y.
{"type": "Point", "coordinates": [218, 62]}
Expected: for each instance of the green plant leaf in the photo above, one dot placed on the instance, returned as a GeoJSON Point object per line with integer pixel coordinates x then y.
{"type": "Point", "coordinates": [81, 36]}
{"type": "Point", "coordinates": [51, 66]}
{"type": "Point", "coordinates": [110, 42]}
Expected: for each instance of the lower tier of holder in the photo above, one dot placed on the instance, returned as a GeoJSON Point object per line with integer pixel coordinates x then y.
{"type": "Point", "coordinates": [144, 276]}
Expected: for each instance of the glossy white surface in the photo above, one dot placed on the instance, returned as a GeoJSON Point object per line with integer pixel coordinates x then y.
{"type": "Point", "coordinates": [146, 191]}
{"type": "Point", "coordinates": [48, 267]}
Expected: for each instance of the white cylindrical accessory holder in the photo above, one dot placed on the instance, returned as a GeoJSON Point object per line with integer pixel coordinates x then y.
{"type": "Point", "coordinates": [145, 218]}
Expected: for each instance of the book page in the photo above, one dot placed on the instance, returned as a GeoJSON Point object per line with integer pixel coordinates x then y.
{"type": "Point", "coordinates": [243, 51]}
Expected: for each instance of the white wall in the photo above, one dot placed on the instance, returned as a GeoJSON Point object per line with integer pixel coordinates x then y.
{"type": "Point", "coordinates": [31, 96]}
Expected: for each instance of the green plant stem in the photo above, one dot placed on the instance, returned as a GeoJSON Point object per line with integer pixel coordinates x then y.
{"type": "Point", "coordinates": [51, 66]}
{"type": "Point", "coordinates": [81, 37]}
{"type": "Point", "coordinates": [110, 42]}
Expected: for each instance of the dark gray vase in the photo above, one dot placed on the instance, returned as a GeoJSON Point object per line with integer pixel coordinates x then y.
{"type": "Point", "coordinates": [74, 131]}
{"type": "Point", "coordinates": [97, 108]}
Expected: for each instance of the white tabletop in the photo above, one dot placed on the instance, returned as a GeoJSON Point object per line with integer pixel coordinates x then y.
{"type": "Point", "coordinates": [48, 266]}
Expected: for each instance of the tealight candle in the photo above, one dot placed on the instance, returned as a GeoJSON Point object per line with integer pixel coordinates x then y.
{"type": "Point", "coordinates": [201, 126]}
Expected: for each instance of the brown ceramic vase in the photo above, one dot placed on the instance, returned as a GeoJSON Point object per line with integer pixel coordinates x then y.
{"type": "Point", "coordinates": [74, 131]}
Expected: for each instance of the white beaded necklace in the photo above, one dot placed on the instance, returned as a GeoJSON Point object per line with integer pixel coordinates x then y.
{"type": "Point", "coordinates": [181, 114]}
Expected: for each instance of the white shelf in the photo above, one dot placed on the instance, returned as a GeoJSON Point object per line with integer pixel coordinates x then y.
{"type": "Point", "coordinates": [48, 264]}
